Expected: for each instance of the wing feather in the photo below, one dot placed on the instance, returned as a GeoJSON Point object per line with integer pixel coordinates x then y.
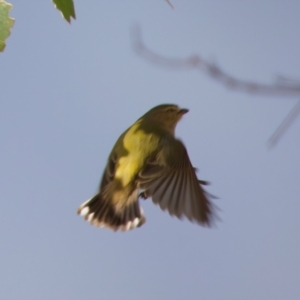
{"type": "Point", "coordinates": [172, 183]}
{"type": "Point", "coordinates": [175, 190]}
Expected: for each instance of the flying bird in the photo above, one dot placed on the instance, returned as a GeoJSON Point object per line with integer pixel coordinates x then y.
{"type": "Point", "coordinates": [147, 161]}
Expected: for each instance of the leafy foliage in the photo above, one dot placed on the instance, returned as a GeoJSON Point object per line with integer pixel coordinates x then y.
{"type": "Point", "coordinates": [6, 22]}
{"type": "Point", "coordinates": [66, 8]}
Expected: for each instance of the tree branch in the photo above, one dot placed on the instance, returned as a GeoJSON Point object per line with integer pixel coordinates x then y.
{"type": "Point", "coordinates": [281, 87]}
{"type": "Point", "coordinates": [283, 127]}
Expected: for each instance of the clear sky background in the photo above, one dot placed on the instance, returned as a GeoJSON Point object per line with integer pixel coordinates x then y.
{"type": "Point", "coordinates": [68, 92]}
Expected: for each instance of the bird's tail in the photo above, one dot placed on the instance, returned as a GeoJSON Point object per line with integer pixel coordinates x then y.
{"type": "Point", "coordinates": [101, 213]}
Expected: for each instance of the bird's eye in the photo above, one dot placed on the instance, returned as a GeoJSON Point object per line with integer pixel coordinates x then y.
{"type": "Point", "coordinates": [170, 110]}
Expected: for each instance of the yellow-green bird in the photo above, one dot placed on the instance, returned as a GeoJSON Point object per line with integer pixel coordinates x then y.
{"type": "Point", "coordinates": [148, 161]}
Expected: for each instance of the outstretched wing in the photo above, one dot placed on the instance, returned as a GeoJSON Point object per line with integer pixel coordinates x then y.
{"type": "Point", "coordinates": [172, 183]}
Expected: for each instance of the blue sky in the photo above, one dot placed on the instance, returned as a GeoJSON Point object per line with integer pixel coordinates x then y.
{"type": "Point", "coordinates": [68, 92]}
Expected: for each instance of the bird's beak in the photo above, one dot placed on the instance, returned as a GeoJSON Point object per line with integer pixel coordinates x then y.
{"type": "Point", "coordinates": [183, 111]}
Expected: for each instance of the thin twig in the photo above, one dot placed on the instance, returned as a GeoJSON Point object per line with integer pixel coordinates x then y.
{"type": "Point", "coordinates": [278, 88]}
{"type": "Point", "coordinates": [169, 2]}
{"type": "Point", "coordinates": [283, 127]}
{"type": "Point", "coordinates": [281, 87]}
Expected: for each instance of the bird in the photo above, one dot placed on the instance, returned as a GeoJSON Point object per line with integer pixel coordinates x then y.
{"type": "Point", "coordinates": [148, 161]}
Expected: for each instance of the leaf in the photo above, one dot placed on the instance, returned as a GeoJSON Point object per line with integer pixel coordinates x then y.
{"type": "Point", "coordinates": [6, 22]}
{"type": "Point", "coordinates": [66, 7]}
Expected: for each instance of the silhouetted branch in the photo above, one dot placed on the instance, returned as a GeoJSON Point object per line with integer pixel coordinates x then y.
{"type": "Point", "coordinates": [287, 122]}
{"type": "Point", "coordinates": [281, 87]}
{"type": "Point", "coordinates": [169, 2]}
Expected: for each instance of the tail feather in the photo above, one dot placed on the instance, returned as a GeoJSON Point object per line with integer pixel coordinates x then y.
{"type": "Point", "coordinates": [101, 213]}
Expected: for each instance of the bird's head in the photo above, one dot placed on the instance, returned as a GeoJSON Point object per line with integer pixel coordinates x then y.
{"type": "Point", "coordinates": [165, 115]}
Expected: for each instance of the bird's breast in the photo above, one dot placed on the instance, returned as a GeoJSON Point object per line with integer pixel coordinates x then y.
{"type": "Point", "coordinates": [138, 145]}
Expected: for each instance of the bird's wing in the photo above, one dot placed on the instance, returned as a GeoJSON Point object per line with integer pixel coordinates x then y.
{"type": "Point", "coordinates": [172, 183]}
{"type": "Point", "coordinates": [109, 171]}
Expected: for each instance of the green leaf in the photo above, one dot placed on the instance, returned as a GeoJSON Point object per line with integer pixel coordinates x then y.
{"type": "Point", "coordinates": [6, 22]}
{"type": "Point", "coordinates": [66, 7]}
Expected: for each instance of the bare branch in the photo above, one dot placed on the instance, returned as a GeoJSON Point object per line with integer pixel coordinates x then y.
{"type": "Point", "coordinates": [169, 2]}
{"type": "Point", "coordinates": [278, 88]}
{"type": "Point", "coordinates": [283, 127]}
{"type": "Point", "coordinates": [281, 87]}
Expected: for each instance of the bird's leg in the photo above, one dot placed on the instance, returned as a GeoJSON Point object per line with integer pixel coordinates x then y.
{"type": "Point", "coordinates": [143, 195]}
{"type": "Point", "coordinates": [203, 182]}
